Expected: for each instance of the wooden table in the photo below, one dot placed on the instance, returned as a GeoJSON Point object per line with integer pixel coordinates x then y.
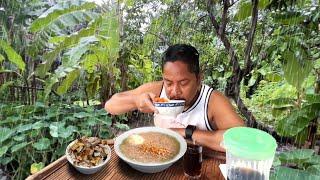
{"type": "Point", "coordinates": [118, 169]}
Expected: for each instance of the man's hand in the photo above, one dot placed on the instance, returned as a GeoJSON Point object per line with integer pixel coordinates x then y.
{"type": "Point", "coordinates": [144, 103]}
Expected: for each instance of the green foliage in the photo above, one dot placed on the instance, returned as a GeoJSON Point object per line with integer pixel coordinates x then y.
{"type": "Point", "coordinates": [298, 119]}
{"type": "Point", "coordinates": [42, 144]}
{"type": "Point", "coordinates": [5, 133]}
{"type": "Point", "coordinates": [245, 8]}
{"type": "Point", "coordinates": [35, 167]}
{"type": "Point", "coordinates": [83, 51]}
{"type": "Point", "coordinates": [297, 67]}
{"type": "Point", "coordinates": [284, 173]}
{"type": "Point", "coordinates": [12, 55]}
{"type": "Point", "coordinates": [67, 82]}
{"type": "Point", "coordinates": [3, 150]}
{"type": "Point", "coordinates": [36, 132]}
{"type": "Point", "coordinates": [61, 14]}
{"type": "Point", "coordinates": [296, 156]}
{"type": "Point", "coordinates": [79, 57]}
{"type": "Point", "coordinates": [304, 159]}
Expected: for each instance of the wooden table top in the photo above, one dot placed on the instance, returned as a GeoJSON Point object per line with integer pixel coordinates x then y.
{"type": "Point", "coordinates": [118, 169]}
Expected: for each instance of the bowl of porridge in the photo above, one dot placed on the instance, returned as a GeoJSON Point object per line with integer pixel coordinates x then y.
{"type": "Point", "coordinates": [150, 149]}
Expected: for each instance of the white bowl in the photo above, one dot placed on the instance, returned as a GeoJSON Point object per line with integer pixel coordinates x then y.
{"type": "Point", "coordinates": [150, 167]}
{"type": "Point", "coordinates": [171, 108]}
{"type": "Point", "coordinates": [88, 170]}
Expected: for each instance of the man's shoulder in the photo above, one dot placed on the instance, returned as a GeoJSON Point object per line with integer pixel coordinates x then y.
{"type": "Point", "coordinates": [217, 96]}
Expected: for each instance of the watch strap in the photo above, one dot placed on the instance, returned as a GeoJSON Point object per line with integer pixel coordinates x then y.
{"type": "Point", "coordinates": [189, 131]}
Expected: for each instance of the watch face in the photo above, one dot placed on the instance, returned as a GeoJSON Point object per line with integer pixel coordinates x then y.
{"type": "Point", "coordinates": [189, 131]}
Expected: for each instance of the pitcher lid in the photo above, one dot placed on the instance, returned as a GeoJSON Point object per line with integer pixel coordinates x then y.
{"type": "Point", "coordinates": [249, 143]}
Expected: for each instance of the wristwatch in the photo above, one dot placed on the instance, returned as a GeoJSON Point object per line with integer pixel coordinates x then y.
{"type": "Point", "coordinates": [189, 131]}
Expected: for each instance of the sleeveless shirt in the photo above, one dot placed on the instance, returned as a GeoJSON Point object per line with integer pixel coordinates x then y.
{"type": "Point", "coordinates": [197, 114]}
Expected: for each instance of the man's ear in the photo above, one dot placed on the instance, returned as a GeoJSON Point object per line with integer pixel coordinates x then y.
{"type": "Point", "coordinates": [200, 77]}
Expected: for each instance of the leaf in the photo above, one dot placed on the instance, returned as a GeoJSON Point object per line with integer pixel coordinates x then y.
{"type": "Point", "coordinates": [19, 138]}
{"type": "Point", "coordinates": [111, 24]}
{"type": "Point", "coordinates": [281, 103]}
{"type": "Point", "coordinates": [284, 173]}
{"type": "Point", "coordinates": [314, 160]}
{"type": "Point", "coordinates": [81, 115]}
{"type": "Point", "coordinates": [297, 120]}
{"type": "Point", "coordinates": [44, 67]}
{"type": "Point", "coordinates": [276, 161]}
{"type": "Point", "coordinates": [67, 132]}
{"type": "Point", "coordinates": [5, 133]}
{"type": "Point", "coordinates": [122, 126]}
{"type": "Point", "coordinates": [92, 88]}
{"type": "Point", "coordinates": [3, 150]}
{"type": "Point", "coordinates": [67, 82]}
{"type": "Point", "coordinates": [90, 62]}
{"type": "Point", "coordinates": [312, 98]}
{"type": "Point", "coordinates": [1, 58]}
{"type": "Point", "coordinates": [296, 156]}
{"type": "Point", "coordinates": [48, 86]}
{"type": "Point", "coordinates": [273, 77]}
{"type": "Point", "coordinates": [12, 55]}
{"type": "Point", "coordinates": [5, 86]}
{"type": "Point", "coordinates": [81, 48]}
{"type": "Point", "coordinates": [39, 125]}
{"type": "Point", "coordinates": [55, 127]}
{"type": "Point", "coordinates": [244, 10]}
{"type": "Point", "coordinates": [42, 144]}
{"type": "Point", "coordinates": [288, 17]}
{"type": "Point", "coordinates": [18, 147]}
{"type": "Point", "coordinates": [314, 169]}
{"type": "Point", "coordinates": [43, 22]}
{"type": "Point", "coordinates": [302, 136]}
{"type": "Point", "coordinates": [92, 121]}
{"type": "Point", "coordinates": [6, 160]}
{"type": "Point", "coordinates": [25, 127]}
{"type": "Point", "coordinates": [295, 72]}
{"type": "Point", "coordinates": [263, 3]}
{"type": "Point", "coordinates": [36, 167]}
{"type": "Point", "coordinates": [57, 39]}
{"type": "Point", "coordinates": [252, 80]}
{"type": "Point", "coordinates": [107, 121]}
{"type": "Point", "coordinates": [128, 2]}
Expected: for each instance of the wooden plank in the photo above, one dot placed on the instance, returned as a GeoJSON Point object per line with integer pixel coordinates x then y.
{"type": "Point", "coordinates": [56, 165]}
{"type": "Point", "coordinates": [118, 169]}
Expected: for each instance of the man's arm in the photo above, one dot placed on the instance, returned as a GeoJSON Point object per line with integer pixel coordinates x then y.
{"type": "Point", "coordinates": [140, 98]}
{"type": "Point", "coordinates": [222, 116]}
{"type": "Point", "coordinates": [209, 139]}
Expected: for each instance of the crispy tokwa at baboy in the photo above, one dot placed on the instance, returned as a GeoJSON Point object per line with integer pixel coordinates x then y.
{"type": "Point", "coordinates": [88, 151]}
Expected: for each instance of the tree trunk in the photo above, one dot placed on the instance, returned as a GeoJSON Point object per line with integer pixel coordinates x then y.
{"type": "Point", "coordinates": [313, 126]}
{"type": "Point", "coordinates": [234, 82]}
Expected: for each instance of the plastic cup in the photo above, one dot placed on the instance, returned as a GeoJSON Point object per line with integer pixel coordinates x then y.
{"type": "Point", "coordinates": [249, 153]}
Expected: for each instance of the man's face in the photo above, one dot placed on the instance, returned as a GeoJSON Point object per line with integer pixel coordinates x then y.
{"type": "Point", "coordinates": [179, 82]}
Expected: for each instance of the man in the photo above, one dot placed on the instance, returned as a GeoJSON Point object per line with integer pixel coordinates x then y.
{"type": "Point", "coordinates": [207, 114]}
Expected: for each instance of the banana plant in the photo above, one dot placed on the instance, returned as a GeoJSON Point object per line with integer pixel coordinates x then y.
{"type": "Point", "coordinates": [87, 51]}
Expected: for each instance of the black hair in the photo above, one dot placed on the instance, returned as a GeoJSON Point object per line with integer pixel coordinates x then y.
{"type": "Point", "coordinates": [185, 53]}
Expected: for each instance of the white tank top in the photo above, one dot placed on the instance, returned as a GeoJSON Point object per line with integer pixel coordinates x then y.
{"type": "Point", "coordinates": [197, 114]}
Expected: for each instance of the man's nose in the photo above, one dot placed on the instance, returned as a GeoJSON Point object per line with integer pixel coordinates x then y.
{"type": "Point", "coordinates": [176, 91]}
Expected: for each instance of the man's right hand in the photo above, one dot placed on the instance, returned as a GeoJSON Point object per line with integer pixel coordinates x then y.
{"type": "Point", "coordinates": [144, 103]}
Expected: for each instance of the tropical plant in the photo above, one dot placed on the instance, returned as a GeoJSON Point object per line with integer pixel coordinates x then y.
{"type": "Point", "coordinates": [40, 133]}
{"type": "Point", "coordinates": [303, 162]}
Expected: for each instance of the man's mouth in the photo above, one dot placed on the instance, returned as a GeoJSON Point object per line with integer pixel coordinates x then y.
{"type": "Point", "coordinates": [173, 98]}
